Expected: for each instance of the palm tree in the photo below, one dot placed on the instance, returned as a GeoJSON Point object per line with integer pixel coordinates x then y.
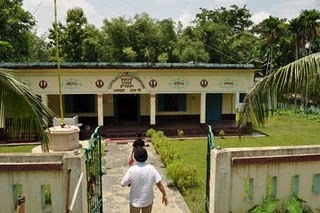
{"type": "Point", "coordinates": [299, 77]}
{"type": "Point", "coordinates": [24, 109]}
{"type": "Point", "coordinates": [270, 31]}
{"type": "Point", "coordinates": [305, 29]}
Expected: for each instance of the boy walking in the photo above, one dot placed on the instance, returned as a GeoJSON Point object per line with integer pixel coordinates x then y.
{"type": "Point", "coordinates": [141, 177]}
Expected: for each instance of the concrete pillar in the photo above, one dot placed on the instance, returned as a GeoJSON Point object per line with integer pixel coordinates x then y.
{"type": "Point", "coordinates": [152, 109]}
{"type": "Point", "coordinates": [203, 109]}
{"type": "Point", "coordinates": [220, 181]}
{"type": "Point", "coordinates": [100, 109]}
{"type": "Point", "coordinates": [234, 103]}
{"type": "Point", "coordinates": [44, 99]}
{"type": "Point", "coordinates": [237, 97]}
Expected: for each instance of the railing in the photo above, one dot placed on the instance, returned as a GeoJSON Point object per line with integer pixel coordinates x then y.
{"type": "Point", "coordinates": [210, 146]}
{"type": "Point", "coordinates": [94, 172]}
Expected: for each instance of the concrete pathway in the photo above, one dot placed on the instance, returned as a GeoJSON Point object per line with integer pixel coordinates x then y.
{"type": "Point", "coordinates": [115, 197]}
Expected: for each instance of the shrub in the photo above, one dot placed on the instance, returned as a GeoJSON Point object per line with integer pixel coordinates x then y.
{"type": "Point", "coordinates": [183, 175]}
{"type": "Point", "coordinates": [164, 149]}
{"type": "Point", "coordinates": [150, 132]}
{"type": "Point", "coordinates": [271, 204]}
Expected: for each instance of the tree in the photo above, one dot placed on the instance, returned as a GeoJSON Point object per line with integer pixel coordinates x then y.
{"type": "Point", "coordinates": [91, 44]}
{"type": "Point", "coordinates": [270, 32]}
{"type": "Point", "coordinates": [238, 19]}
{"type": "Point", "coordinates": [15, 24]}
{"type": "Point", "coordinates": [187, 50]}
{"type": "Point", "coordinates": [115, 38]}
{"type": "Point", "coordinates": [78, 41]}
{"type": "Point", "coordinates": [306, 30]}
{"type": "Point", "coordinates": [217, 28]}
{"type": "Point", "coordinates": [144, 38]}
{"type": "Point", "coordinates": [167, 37]}
{"type": "Point", "coordinates": [243, 48]}
{"type": "Point", "coordinates": [299, 77]}
{"type": "Point", "coordinates": [73, 36]}
{"type": "Point", "coordinates": [39, 49]}
{"type": "Point", "coordinates": [23, 107]}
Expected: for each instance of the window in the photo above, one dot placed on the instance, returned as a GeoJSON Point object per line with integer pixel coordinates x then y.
{"type": "Point", "coordinates": [79, 103]}
{"type": "Point", "coordinates": [241, 97]}
{"type": "Point", "coordinates": [316, 184]}
{"type": "Point", "coordinates": [171, 102]}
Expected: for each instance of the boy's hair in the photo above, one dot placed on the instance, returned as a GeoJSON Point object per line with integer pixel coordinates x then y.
{"type": "Point", "coordinates": [139, 134]}
{"type": "Point", "coordinates": [140, 154]}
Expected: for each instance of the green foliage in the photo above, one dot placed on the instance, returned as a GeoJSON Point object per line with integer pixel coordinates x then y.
{"type": "Point", "coordinates": [17, 149]}
{"type": "Point", "coordinates": [24, 107]}
{"type": "Point", "coordinates": [188, 50]}
{"type": "Point", "coordinates": [261, 100]}
{"type": "Point", "coordinates": [296, 205]}
{"type": "Point", "coordinates": [182, 174]}
{"type": "Point", "coordinates": [16, 24]}
{"type": "Point", "coordinates": [293, 205]}
{"type": "Point", "coordinates": [163, 57]}
{"type": "Point", "coordinates": [164, 148]}
{"type": "Point", "coordinates": [130, 54]}
{"type": "Point", "coordinates": [269, 204]}
{"type": "Point", "coordinates": [150, 132]}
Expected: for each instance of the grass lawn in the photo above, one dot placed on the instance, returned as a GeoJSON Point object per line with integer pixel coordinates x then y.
{"type": "Point", "coordinates": [286, 129]}
{"type": "Point", "coordinates": [10, 149]}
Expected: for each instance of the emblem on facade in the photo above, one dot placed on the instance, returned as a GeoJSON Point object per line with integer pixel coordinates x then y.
{"type": "Point", "coordinates": [43, 84]}
{"type": "Point", "coordinates": [204, 83]}
{"type": "Point", "coordinates": [153, 83]}
{"type": "Point", "coordinates": [99, 83]}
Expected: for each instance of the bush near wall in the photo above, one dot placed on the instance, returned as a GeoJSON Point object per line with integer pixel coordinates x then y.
{"type": "Point", "coordinates": [183, 175]}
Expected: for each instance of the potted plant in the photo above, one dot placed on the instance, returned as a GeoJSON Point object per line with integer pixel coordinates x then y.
{"type": "Point", "coordinates": [180, 133]}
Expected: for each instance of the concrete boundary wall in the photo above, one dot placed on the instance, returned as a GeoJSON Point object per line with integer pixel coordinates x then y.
{"type": "Point", "coordinates": [240, 177]}
{"type": "Point", "coordinates": [29, 174]}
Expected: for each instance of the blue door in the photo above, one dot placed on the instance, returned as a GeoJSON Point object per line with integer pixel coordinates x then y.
{"type": "Point", "coordinates": [213, 107]}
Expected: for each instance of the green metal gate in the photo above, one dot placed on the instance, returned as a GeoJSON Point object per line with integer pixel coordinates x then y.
{"type": "Point", "coordinates": [94, 172]}
{"type": "Point", "coordinates": [210, 145]}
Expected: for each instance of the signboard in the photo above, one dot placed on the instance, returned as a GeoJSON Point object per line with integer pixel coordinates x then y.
{"type": "Point", "coordinates": [126, 83]}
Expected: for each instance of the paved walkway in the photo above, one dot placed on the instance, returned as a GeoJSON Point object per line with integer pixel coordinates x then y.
{"type": "Point", "coordinates": [115, 197]}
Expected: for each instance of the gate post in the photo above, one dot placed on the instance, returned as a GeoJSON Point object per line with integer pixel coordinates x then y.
{"type": "Point", "coordinates": [210, 145]}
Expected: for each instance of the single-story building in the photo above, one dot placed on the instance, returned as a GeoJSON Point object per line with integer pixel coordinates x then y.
{"type": "Point", "coordinates": [108, 93]}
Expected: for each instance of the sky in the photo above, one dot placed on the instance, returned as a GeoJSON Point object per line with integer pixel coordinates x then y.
{"type": "Point", "coordinates": [178, 10]}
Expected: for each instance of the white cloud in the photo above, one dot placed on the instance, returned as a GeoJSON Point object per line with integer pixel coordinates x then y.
{"type": "Point", "coordinates": [186, 18]}
{"type": "Point", "coordinates": [289, 9]}
{"type": "Point", "coordinates": [227, 3]}
{"type": "Point", "coordinates": [182, 10]}
{"type": "Point", "coordinates": [258, 17]}
{"type": "Point", "coordinates": [44, 13]}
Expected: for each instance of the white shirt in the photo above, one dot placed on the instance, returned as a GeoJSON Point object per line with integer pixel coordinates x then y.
{"type": "Point", "coordinates": [141, 177]}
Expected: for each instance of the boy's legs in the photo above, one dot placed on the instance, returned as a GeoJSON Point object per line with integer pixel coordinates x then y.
{"type": "Point", "coordinates": [146, 209]}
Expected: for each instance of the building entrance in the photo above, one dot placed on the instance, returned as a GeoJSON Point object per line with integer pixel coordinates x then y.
{"type": "Point", "coordinates": [126, 107]}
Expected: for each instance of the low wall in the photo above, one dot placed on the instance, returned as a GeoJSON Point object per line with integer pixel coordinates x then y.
{"type": "Point", "coordinates": [42, 179]}
{"type": "Point", "coordinates": [242, 177]}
